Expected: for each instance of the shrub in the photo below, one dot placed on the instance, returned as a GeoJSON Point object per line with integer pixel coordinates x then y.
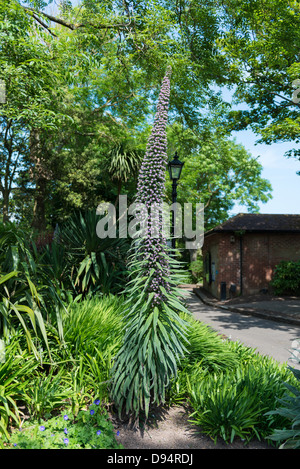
{"type": "Point", "coordinates": [91, 264]}
{"type": "Point", "coordinates": [234, 403]}
{"type": "Point", "coordinates": [286, 278]}
{"type": "Point", "coordinates": [95, 323]}
{"type": "Point", "coordinates": [196, 268]}
{"type": "Point", "coordinates": [46, 393]}
{"type": "Point", "coordinates": [207, 346]}
{"type": "Point", "coordinates": [30, 295]}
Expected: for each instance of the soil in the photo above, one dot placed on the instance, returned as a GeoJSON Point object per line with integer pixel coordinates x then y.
{"type": "Point", "coordinates": [169, 428]}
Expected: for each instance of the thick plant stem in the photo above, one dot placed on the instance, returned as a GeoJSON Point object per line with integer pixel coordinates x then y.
{"type": "Point", "coordinates": [155, 334]}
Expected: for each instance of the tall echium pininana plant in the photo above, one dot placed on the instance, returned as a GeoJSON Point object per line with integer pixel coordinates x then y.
{"type": "Point", "coordinates": [155, 335]}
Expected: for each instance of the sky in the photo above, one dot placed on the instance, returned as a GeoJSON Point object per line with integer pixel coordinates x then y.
{"type": "Point", "coordinates": [278, 170]}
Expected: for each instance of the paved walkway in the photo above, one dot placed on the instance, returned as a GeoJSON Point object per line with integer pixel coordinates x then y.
{"type": "Point", "coordinates": [251, 326]}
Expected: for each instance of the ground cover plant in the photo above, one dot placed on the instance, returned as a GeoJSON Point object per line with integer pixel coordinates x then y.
{"type": "Point", "coordinates": [89, 429]}
{"type": "Point", "coordinates": [71, 136]}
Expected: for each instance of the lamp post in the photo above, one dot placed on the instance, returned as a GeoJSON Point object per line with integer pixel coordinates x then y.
{"type": "Point", "coordinates": [175, 167]}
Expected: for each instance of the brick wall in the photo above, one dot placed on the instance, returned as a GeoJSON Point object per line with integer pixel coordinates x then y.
{"type": "Point", "coordinates": [261, 252]}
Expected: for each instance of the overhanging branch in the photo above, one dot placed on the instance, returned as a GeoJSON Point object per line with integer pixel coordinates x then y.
{"type": "Point", "coordinates": [69, 25]}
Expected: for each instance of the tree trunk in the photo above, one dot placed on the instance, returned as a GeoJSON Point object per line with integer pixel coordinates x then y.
{"type": "Point", "coordinates": [5, 206]}
{"type": "Point", "coordinates": [39, 218]}
{"type": "Point", "coordinates": [40, 178]}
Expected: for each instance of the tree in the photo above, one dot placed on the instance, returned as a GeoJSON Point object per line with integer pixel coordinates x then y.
{"type": "Point", "coordinates": [83, 81]}
{"type": "Point", "coordinates": [32, 86]}
{"type": "Point", "coordinates": [13, 151]}
{"type": "Point", "coordinates": [217, 172]}
{"type": "Point", "coordinates": [91, 75]}
{"type": "Point", "coordinates": [261, 43]}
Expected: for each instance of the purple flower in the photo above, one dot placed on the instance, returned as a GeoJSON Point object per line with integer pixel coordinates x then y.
{"type": "Point", "coordinates": [66, 441]}
{"type": "Point", "coordinates": [97, 401]}
{"type": "Point", "coordinates": [42, 428]}
{"type": "Point", "coordinates": [66, 417]}
{"type": "Point", "coordinates": [118, 433]}
{"type": "Point", "coordinates": [99, 432]}
{"type": "Point", "coordinates": [66, 431]}
{"type": "Point", "coordinates": [92, 411]}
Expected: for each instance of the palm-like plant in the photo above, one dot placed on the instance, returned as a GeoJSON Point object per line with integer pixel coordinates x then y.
{"type": "Point", "coordinates": [125, 163]}
{"type": "Point", "coordinates": [94, 264]}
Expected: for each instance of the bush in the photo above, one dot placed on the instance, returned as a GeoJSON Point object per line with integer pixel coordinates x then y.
{"type": "Point", "coordinates": [95, 323]}
{"type": "Point", "coordinates": [196, 268]}
{"type": "Point", "coordinates": [234, 403]}
{"type": "Point", "coordinates": [230, 387]}
{"type": "Point", "coordinates": [286, 278]}
{"type": "Point", "coordinates": [30, 295]}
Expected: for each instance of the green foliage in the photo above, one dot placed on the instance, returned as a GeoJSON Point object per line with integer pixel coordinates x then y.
{"type": "Point", "coordinates": [14, 382]}
{"type": "Point", "coordinates": [230, 387]}
{"type": "Point", "coordinates": [93, 332]}
{"type": "Point", "coordinates": [209, 352]}
{"type": "Point", "coordinates": [207, 347]}
{"type": "Point", "coordinates": [46, 393]}
{"type": "Point", "coordinates": [96, 323]}
{"type": "Point", "coordinates": [30, 295]}
{"type": "Point", "coordinates": [260, 45]}
{"type": "Point", "coordinates": [289, 436]}
{"type": "Point", "coordinates": [233, 403]}
{"type": "Point", "coordinates": [196, 268]}
{"type": "Point", "coordinates": [93, 264]}
{"type": "Point", "coordinates": [286, 279]}
{"type": "Point", "coordinates": [90, 429]}
{"type": "Point", "coordinates": [153, 343]}
{"type": "Point", "coordinates": [218, 172]}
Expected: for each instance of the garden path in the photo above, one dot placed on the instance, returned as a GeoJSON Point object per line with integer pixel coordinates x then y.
{"type": "Point", "coordinates": [170, 429]}
{"type": "Point", "coordinates": [269, 337]}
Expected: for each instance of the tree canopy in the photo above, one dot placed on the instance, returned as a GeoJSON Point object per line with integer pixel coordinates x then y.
{"type": "Point", "coordinates": [82, 80]}
{"type": "Point", "coordinates": [262, 44]}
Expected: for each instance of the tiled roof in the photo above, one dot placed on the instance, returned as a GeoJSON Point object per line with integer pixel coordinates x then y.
{"type": "Point", "coordinates": [259, 222]}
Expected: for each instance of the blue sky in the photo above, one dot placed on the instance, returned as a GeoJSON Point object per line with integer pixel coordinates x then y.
{"type": "Point", "coordinates": [278, 170]}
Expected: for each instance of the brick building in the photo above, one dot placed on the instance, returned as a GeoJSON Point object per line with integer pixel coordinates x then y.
{"type": "Point", "coordinates": [240, 255]}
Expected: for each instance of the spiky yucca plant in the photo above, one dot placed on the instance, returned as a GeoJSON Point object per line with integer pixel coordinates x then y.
{"type": "Point", "coordinates": [155, 335]}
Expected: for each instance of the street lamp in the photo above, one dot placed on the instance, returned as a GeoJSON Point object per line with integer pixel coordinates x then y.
{"type": "Point", "coordinates": [175, 167]}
